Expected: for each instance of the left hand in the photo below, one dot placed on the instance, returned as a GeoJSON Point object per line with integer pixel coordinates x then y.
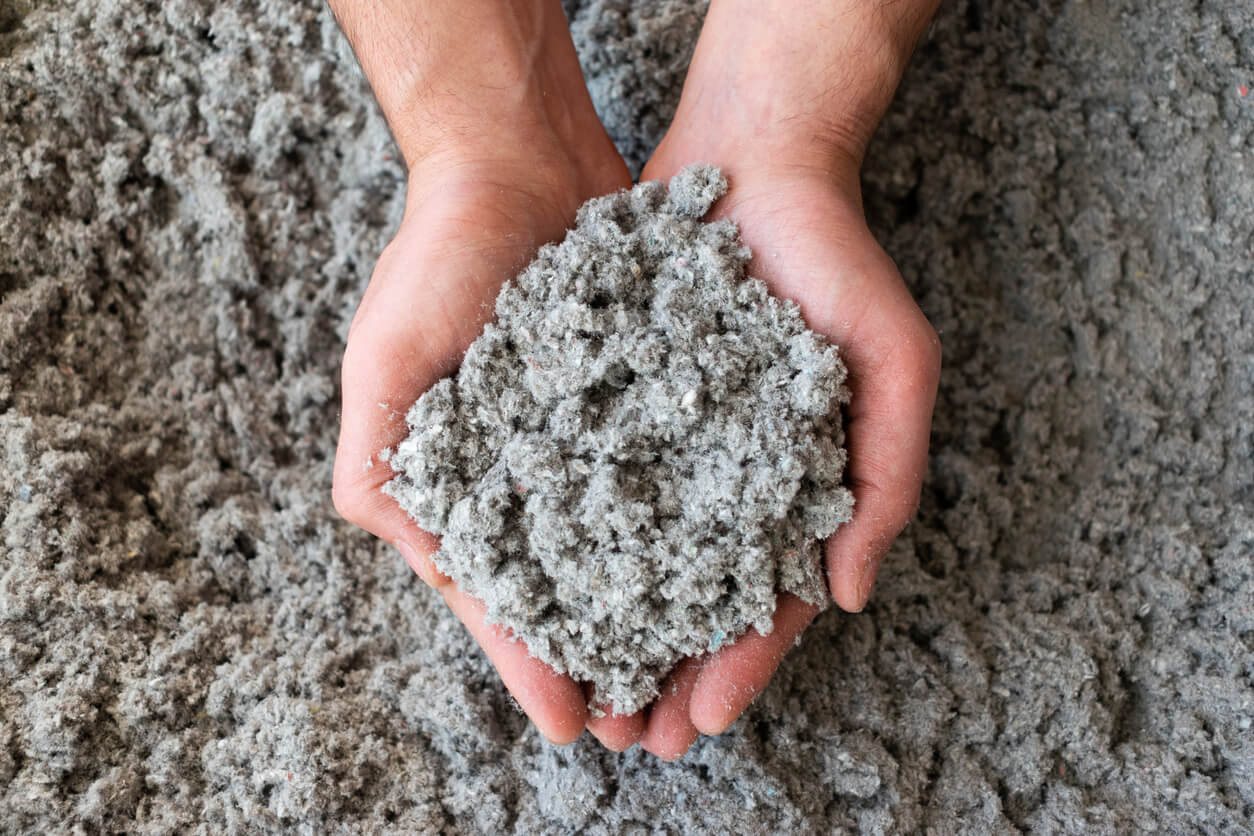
{"type": "Point", "coordinates": [792, 164]}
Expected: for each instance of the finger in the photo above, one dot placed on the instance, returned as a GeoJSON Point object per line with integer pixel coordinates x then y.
{"type": "Point", "coordinates": [553, 701]}
{"type": "Point", "coordinates": [733, 676]}
{"type": "Point", "coordinates": [669, 731]}
{"type": "Point", "coordinates": [887, 426]}
{"type": "Point", "coordinates": [617, 732]}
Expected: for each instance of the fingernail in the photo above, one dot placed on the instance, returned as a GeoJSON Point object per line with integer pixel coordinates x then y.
{"type": "Point", "coordinates": [866, 582]}
{"type": "Point", "coordinates": [561, 741]}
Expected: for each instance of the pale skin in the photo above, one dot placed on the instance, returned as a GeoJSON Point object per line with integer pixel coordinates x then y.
{"type": "Point", "coordinates": [488, 106]}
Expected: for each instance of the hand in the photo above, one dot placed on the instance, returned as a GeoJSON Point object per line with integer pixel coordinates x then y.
{"type": "Point", "coordinates": [792, 159]}
{"type": "Point", "coordinates": [492, 177]}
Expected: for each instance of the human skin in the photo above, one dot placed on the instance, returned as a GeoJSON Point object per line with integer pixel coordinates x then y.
{"type": "Point", "coordinates": [488, 106]}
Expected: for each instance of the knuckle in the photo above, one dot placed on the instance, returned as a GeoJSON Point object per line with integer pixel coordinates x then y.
{"type": "Point", "coordinates": [345, 498]}
{"type": "Point", "coordinates": [926, 339]}
{"type": "Point", "coordinates": [352, 347]}
{"type": "Point", "coordinates": [934, 349]}
{"type": "Point", "coordinates": [923, 357]}
{"type": "Point", "coordinates": [384, 266]}
{"type": "Point", "coordinates": [910, 506]}
{"type": "Point", "coordinates": [356, 330]}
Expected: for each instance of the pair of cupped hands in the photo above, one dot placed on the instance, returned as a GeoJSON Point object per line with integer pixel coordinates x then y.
{"type": "Point", "coordinates": [503, 145]}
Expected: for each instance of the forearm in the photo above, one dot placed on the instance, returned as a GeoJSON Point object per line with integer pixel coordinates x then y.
{"type": "Point", "coordinates": [803, 76]}
{"type": "Point", "coordinates": [455, 74]}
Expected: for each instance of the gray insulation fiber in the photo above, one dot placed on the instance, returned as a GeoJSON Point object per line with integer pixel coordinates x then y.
{"type": "Point", "coordinates": [193, 195]}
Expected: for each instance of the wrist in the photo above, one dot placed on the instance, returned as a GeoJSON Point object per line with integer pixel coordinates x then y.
{"type": "Point", "coordinates": [525, 166]}
{"type": "Point", "coordinates": [466, 79]}
{"type": "Point", "coordinates": [797, 85]}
